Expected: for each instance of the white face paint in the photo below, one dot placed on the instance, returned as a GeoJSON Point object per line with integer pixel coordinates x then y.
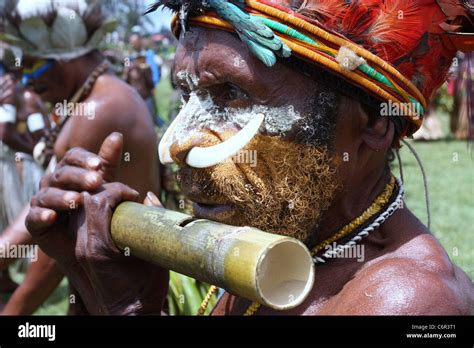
{"type": "Point", "coordinates": [200, 112]}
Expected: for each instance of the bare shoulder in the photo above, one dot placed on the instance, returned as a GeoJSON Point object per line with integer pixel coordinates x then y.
{"type": "Point", "coordinates": [417, 278]}
{"type": "Point", "coordinates": [110, 87]}
{"type": "Point", "coordinates": [112, 106]}
{"type": "Point", "coordinates": [113, 98]}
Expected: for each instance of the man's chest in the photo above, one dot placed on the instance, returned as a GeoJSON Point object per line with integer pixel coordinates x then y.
{"type": "Point", "coordinates": [327, 288]}
{"type": "Point", "coordinates": [232, 305]}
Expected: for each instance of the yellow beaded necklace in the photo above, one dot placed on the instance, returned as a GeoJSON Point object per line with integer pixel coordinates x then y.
{"type": "Point", "coordinates": [374, 208]}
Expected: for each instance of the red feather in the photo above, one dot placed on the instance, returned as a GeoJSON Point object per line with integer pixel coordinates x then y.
{"type": "Point", "coordinates": [328, 11]}
{"type": "Point", "coordinates": [407, 33]}
{"type": "Point", "coordinates": [397, 29]}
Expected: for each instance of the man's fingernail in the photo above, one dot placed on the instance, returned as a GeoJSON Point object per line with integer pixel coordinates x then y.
{"type": "Point", "coordinates": [46, 215]}
{"type": "Point", "coordinates": [116, 136]}
{"type": "Point", "coordinates": [153, 199]}
{"type": "Point", "coordinates": [91, 178]}
{"type": "Point", "coordinates": [93, 162]}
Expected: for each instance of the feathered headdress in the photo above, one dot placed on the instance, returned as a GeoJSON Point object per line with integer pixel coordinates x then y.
{"type": "Point", "coordinates": [55, 29]}
{"type": "Point", "coordinates": [397, 50]}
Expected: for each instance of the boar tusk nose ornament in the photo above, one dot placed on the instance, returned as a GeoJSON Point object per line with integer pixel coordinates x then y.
{"type": "Point", "coordinates": [166, 141]}
{"type": "Point", "coordinates": [204, 157]}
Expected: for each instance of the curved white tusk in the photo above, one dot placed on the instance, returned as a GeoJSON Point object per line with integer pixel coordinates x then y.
{"type": "Point", "coordinates": [204, 157]}
{"type": "Point", "coordinates": [166, 141]}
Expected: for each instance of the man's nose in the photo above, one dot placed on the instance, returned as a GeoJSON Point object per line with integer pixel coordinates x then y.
{"type": "Point", "coordinates": [205, 148]}
{"type": "Point", "coordinates": [178, 140]}
{"type": "Point", "coordinates": [179, 150]}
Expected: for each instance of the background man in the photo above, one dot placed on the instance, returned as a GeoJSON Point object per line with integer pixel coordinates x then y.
{"type": "Point", "coordinates": [142, 72]}
{"type": "Point", "coordinates": [102, 104]}
{"type": "Point", "coordinates": [22, 122]}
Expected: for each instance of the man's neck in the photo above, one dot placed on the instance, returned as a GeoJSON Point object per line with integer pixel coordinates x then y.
{"type": "Point", "coordinates": [351, 202]}
{"type": "Point", "coordinates": [83, 69]}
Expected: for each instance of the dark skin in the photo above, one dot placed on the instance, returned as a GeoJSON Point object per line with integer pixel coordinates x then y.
{"type": "Point", "coordinates": [117, 108]}
{"type": "Point", "coordinates": [403, 261]}
{"type": "Point", "coordinates": [27, 103]}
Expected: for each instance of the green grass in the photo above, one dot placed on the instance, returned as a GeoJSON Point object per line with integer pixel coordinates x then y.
{"type": "Point", "coordinates": [450, 170]}
{"type": "Point", "coordinates": [56, 304]}
{"type": "Point", "coordinates": [163, 93]}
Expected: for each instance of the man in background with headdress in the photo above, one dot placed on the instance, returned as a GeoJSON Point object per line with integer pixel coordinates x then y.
{"type": "Point", "coordinates": [141, 70]}
{"type": "Point", "coordinates": [62, 64]}
{"type": "Point", "coordinates": [22, 122]}
{"type": "Point", "coordinates": [329, 89]}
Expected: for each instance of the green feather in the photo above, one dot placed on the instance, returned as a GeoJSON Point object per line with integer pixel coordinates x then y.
{"type": "Point", "coordinates": [274, 45]}
{"type": "Point", "coordinates": [264, 54]}
{"type": "Point", "coordinates": [259, 38]}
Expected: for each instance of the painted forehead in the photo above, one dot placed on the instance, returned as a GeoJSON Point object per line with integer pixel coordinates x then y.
{"type": "Point", "coordinates": [207, 56]}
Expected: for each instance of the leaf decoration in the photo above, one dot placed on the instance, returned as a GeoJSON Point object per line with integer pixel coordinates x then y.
{"type": "Point", "coordinates": [99, 34]}
{"type": "Point", "coordinates": [68, 30]}
{"type": "Point", "coordinates": [35, 31]}
{"type": "Point", "coordinates": [15, 41]}
{"type": "Point", "coordinates": [10, 28]}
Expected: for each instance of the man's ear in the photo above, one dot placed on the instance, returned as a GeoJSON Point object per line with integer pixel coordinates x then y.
{"type": "Point", "coordinates": [376, 131]}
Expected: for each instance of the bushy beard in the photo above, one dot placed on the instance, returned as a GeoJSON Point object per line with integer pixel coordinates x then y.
{"type": "Point", "coordinates": [294, 181]}
{"type": "Point", "coordinates": [285, 193]}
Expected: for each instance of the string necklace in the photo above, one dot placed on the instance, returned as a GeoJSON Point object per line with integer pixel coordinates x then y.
{"type": "Point", "coordinates": [46, 144]}
{"type": "Point", "coordinates": [375, 208]}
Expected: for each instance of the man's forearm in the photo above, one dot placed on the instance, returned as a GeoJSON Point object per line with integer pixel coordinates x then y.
{"type": "Point", "coordinates": [15, 234]}
{"type": "Point", "coordinates": [42, 278]}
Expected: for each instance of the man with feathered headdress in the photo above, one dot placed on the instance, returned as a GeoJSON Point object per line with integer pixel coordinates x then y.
{"type": "Point", "coordinates": [321, 92]}
{"type": "Point", "coordinates": [61, 62]}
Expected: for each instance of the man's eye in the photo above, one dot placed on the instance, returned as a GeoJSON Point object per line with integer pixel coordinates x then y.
{"type": "Point", "coordinates": [185, 96]}
{"type": "Point", "coordinates": [233, 93]}
{"type": "Point", "coordinates": [229, 95]}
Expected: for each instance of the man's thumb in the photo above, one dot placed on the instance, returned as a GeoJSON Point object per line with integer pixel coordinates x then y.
{"type": "Point", "coordinates": [111, 154]}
